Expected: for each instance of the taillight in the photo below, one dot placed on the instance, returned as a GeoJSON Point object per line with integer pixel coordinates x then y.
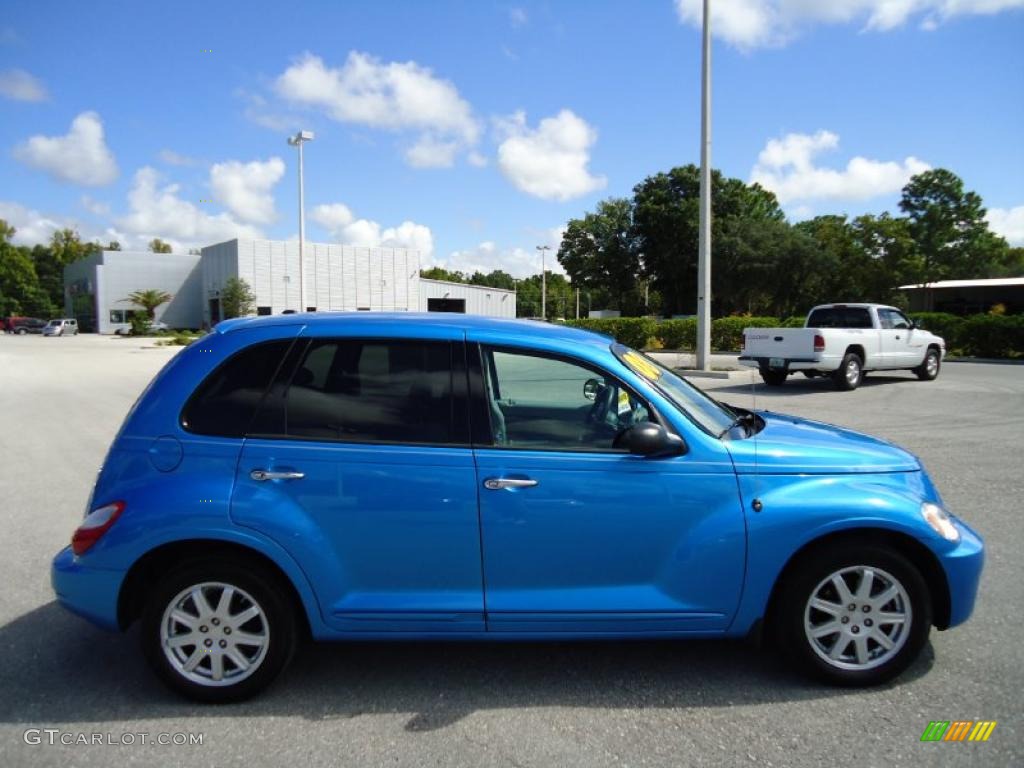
{"type": "Point", "coordinates": [96, 524]}
{"type": "Point", "coordinates": [819, 343]}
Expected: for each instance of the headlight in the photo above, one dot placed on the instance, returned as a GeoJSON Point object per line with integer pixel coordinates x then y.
{"type": "Point", "coordinates": [939, 520]}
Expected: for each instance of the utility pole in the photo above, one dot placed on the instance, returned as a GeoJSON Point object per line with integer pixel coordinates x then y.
{"type": "Point", "coordinates": [704, 238]}
{"type": "Point", "coordinates": [543, 282]}
{"type": "Point", "coordinates": [297, 141]}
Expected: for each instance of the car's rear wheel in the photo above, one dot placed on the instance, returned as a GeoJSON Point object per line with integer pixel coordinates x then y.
{"type": "Point", "coordinates": [218, 632]}
{"type": "Point", "coordinates": [773, 378]}
{"type": "Point", "coordinates": [929, 368]}
{"type": "Point", "coordinates": [854, 615]}
{"type": "Point", "coordinates": [850, 373]}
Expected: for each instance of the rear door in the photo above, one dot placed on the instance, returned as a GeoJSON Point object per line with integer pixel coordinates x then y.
{"type": "Point", "coordinates": [359, 464]}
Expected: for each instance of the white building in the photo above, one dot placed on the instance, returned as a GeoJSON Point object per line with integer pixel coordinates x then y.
{"type": "Point", "coordinates": [96, 288]}
{"type": "Point", "coordinates": [338, 278]}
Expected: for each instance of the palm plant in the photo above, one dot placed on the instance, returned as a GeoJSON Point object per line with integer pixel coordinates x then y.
{"type": "Point", "coordinates": [149, 300]}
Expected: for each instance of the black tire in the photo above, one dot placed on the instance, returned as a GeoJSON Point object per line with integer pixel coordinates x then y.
{"type": "Point", "coordinates": [773, 378]}
{"type": "Point", "coordinates": [812, 575]}
{"type": "Point", "coordinates": [928, 370]}
{"type": "Point", "coordinates": [21, 331]}
{"type": "Point", "coordinates": [844, 378]}
{"type": "Point", "coordinates": [248, 581]}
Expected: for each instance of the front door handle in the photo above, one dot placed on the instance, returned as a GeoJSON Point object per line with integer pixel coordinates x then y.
{"type": "Point", "coordinates": [500, 483]}
{"type": "Point", "coordinates": [261, 475]}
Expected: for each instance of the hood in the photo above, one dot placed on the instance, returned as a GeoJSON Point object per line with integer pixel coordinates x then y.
{"type": "Point", "coordinates": [790, 445]}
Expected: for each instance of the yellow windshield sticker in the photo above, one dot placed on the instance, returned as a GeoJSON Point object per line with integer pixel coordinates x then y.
{"type": "Point", "coordinates": [642, 366]}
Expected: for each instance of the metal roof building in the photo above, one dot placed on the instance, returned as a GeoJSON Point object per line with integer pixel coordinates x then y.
{"type": "Point", "coordinates": [965, 297]}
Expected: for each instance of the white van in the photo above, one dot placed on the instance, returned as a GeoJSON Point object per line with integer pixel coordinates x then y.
{"type": "Point", "coordinates": [64, 326]}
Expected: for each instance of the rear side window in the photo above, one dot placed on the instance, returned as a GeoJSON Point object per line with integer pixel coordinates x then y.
{"type": "Point", "coordinates": [226, 401]}
{"type": "Point", "coordinates": [372, 391]}
{"type": "Point", "coordinates": [840, 317]}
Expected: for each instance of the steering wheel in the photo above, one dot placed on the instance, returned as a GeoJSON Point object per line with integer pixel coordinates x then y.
{"type": "Point", "coordinates": [602, 405]}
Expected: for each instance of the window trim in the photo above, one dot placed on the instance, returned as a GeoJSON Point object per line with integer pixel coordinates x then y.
{"type": "Point", "coordinates": [459, 419]}
{"type": "Point", "coordinates": [480, 408]}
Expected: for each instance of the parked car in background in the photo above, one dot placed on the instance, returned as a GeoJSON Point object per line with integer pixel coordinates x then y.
{"type": "Point", "coordinates": [62, 326]}
{"type": "Point", "coordinates": [23, 325]}
{"type": "Point", "coordinates": [151, 327]}
{"type": "Point", "coordinates": [844, 341]}
{"type": "Point", "coordinates": [436, 476]}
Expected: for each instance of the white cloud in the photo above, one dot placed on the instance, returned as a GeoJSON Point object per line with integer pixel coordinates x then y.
{"type": "Point", "coordinates": [97, 207]}
{"type": "Point", "coordinates": [551, 160]}
{"type": "Point", "coordinates": [159, 212]}
{"type": "Point", "coordinates": [429, 152]}
{"type": "Point", "coordinates": [786, 167]}
{"type": "Point", "coordinates": [31, 226]}
{"type": "Point", "coordinates": [758, 23]}
{"type": "Point", "coordinates": [19, 85]}
{"type": "Point", "coordinates": [487, 257]}
{"type": "Point", "coordinates": [518, 17]}
{"type": "Point", "coordinates": [1008, 222]}
{"type": "Point", "coordinates": [171, 157]}
{"type": "Point", "coordinates": [392, 96]}
{"type": "Point", "coordinates": [477, 160]}
{"type": "Point", "coordinates": [246, 189]}
{"type": "Point", "coordinates": [338, 219]}
{"type": "Point", "coordinates": [81, 156]}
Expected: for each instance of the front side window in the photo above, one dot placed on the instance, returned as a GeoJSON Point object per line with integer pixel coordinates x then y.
{"type": "Point", "coordinates": [544, 403]}
{"type": "Point", "coordinates": [226, 401]}
{"type": "Point", "coordinates": [372, 391]}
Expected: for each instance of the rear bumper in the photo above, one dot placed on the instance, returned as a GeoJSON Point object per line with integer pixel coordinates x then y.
{"type": "Point", "coordinates": [963, 565]}
{"type": "Point", "coordinates": [817, 363]}
{"type": "Point", "coordinates": [91, 593]}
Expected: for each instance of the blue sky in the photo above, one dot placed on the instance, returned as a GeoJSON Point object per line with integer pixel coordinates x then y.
{"type": "Point", "coordinates": [475, 130]}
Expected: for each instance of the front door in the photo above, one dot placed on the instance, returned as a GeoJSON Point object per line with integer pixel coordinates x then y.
{"type": "Point", "coordinates": [579, 537]}
{"type": "Point", "coordinates": [359, 465]}
{"type": "Point", "coordinates": [898, 350]}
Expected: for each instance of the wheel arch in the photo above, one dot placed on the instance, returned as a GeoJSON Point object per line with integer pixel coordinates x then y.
{"type": "Point", "coordinates": [917, 553]}
{"type": "Point", "coordinates": [146, 571]}
{"type": "Point", "coordinates": [858, 349]}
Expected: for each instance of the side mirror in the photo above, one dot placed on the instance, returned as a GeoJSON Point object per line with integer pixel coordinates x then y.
{"type": "Point", "coordinates": [650, 440]}
{"type": "Point", "coordinates": [590, 389]}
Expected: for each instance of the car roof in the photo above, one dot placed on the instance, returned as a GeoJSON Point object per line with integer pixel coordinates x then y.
{"type": "Point", "coordinates": [371, 320]}
{"type": "Point", "coordinates": [854, 304]}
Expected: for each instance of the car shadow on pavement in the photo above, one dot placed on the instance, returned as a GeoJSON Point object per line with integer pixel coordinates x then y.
{"type": "Point", "coordinates": [57, 668]}
{"type": "Point", "coordinates": [800, 385]}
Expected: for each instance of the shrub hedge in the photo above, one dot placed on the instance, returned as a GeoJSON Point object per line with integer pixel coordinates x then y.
{"type": "Point", "coordinates": [977, 335]}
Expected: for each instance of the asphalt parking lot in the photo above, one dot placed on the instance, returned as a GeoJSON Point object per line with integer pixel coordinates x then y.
{"type": "Point", "coordinates": [474, 704]}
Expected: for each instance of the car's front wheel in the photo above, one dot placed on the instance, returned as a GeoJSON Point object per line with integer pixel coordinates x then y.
{"type": "Point", "coordinates": [218, 632]}
{"type": "Point", "coordinates": [929, 367]}
{"type": "Point", "coordinates": [854, 615]}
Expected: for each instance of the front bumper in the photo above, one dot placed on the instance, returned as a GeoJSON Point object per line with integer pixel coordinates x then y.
{"type": "Point", "coordinates": [91, 593]}
{"type": "Point", "coordinates": [963, 565]}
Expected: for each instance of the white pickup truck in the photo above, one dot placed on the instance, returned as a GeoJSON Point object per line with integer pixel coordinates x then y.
{"type": "Point", "coordinates": [844, 341]}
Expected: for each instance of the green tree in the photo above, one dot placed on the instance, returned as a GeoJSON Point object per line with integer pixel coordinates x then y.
{"type": "Point", "coordinates": [113, 245]}
{"type": "Point", "coordinates": [65, 247]}
{"type": "Point", "coordinates": [494, 279]}
{"type": "Point", "coordinates": [236, 298]}
{"type": "Point", "coordinates": [440, 273]}
{"type": "Point", "coordinates": [156, 245]}
{"type": "Point", "coordinates": [20, 293]}
{"type": "Point", "coordinates": [949, 228]}
{"type": "Point", "coordinates": [149, 300]}
{"type": "Point", "coordinates": [601, 252]}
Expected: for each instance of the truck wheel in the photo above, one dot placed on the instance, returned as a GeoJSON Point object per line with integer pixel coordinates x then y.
{"type": "Point", "coordinates": [218, 630]}
{"type": "Point", "coordinates": [855, 615]}
{"type": "Point", "coordinates": [929, 369]}
{"type": "Point", "coordinates": [850, 374]}
{"type": "Point", "coordinates": [773, 378]}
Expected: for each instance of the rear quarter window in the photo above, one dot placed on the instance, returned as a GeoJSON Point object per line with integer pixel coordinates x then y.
{"type": "Point", "coordinates": [226, 401]}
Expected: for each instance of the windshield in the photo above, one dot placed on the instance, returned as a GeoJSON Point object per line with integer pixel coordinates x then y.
{"type": "Point", "coordinates": [709, 414]}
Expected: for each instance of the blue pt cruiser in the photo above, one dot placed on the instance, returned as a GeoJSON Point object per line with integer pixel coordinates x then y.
{"type": "Point", "coordinates": [374, 476]}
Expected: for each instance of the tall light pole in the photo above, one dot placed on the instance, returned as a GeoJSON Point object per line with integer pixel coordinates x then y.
{"type": "Point", "coordinates": [704, 238]}
{"type": "Point", "coordinates": [298, 140]}
{"type": "Point", "coordinates": [543, 282]}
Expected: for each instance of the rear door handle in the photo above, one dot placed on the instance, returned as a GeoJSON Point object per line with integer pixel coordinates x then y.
{"type": "Point", "coordinates": [262, 475]}
{"type": "Point", "coordinates": [500, 483]}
